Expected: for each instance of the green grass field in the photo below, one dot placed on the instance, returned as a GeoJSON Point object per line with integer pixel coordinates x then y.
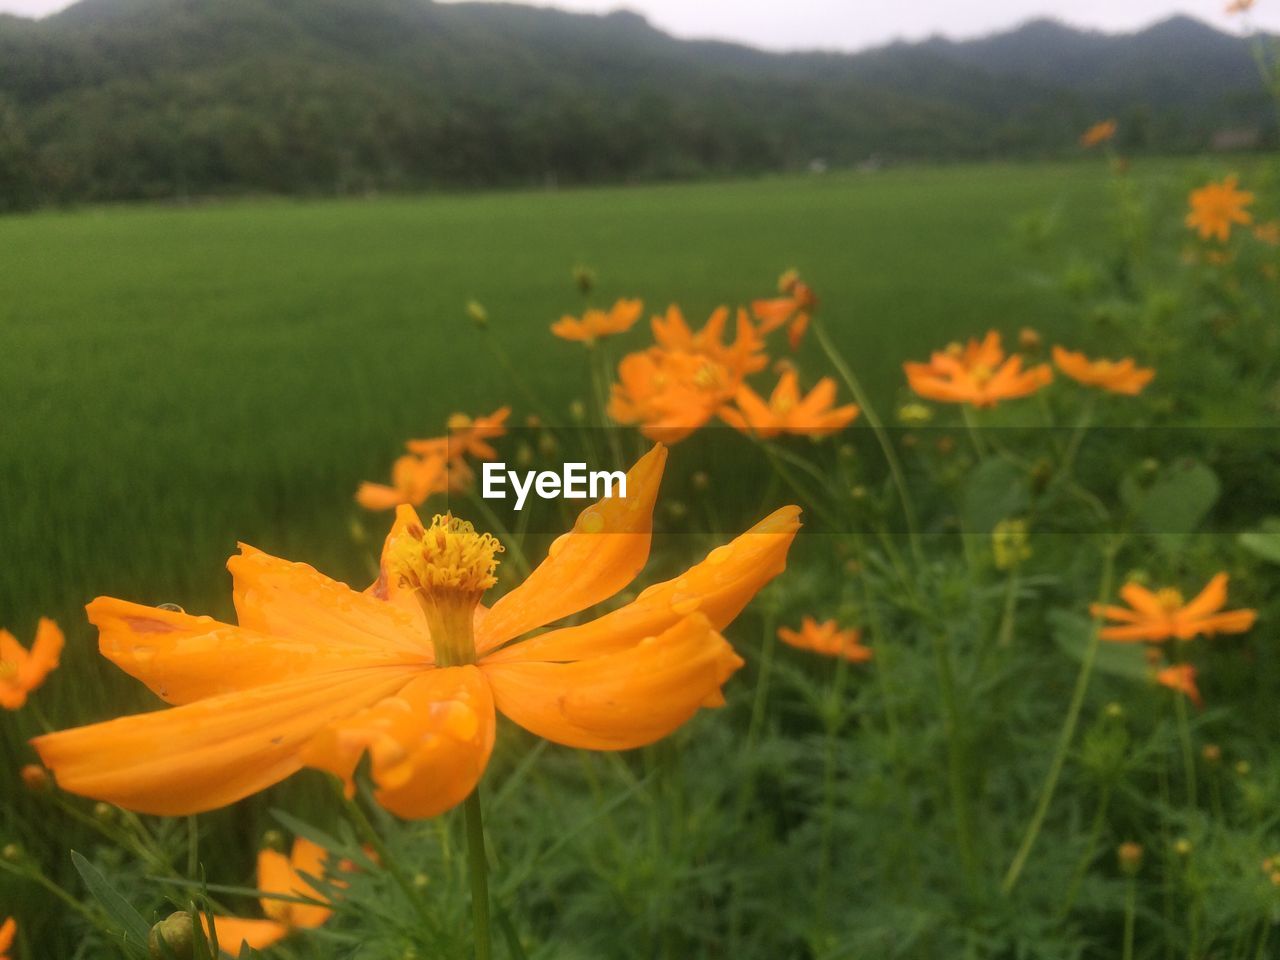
{"type": "Point", "coordinates": [175, 379]}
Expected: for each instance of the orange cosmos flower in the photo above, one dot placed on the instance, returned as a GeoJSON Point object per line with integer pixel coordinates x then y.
{"type": "Point", "coordinates": [8, 933]}
{"type": "Point", "coordinates": [1216, 206]}
{"type": "Point", "coordinates": [466, 436]}
{"type": "Point", "coordinates": [413, 480]}
{"type": "Point", "coordinates": [674, 388]}
{"type": "Point", "coordinates": [796, 305]}
{"type": "Point", "coordinates": [788, 412]}
{"type": "Point", "coordinates": [1117, 376]}
{"type": "Point", "coordinates": [828, 639]}
{"type": "Point", "coordinates": [599, 323]}
{"type": "Point", "coordinates": [22, 671]}
{"type": "Point", "coordinates": [411, 670]}
{"type": "Point", "coordinates": [1181, 678]}
{"type": "Point", "coordinates": [284, 877]}
{"type": "Point", "coordinates": [1157, 617]}
{"type": "Point", "coordinates": [1098, 133]}
{"type": "Point", "coordinates": [978, 374]}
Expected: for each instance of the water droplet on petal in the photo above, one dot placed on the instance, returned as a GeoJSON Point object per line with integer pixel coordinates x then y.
{"type": "Point", "coordinates": [557, 545]}
{"type": "Point", "coordinates": [592, 522]}
{"type": "Point", "coordinates": [171, 607]}
{"type": "Point", "coordinates": [684, 604]}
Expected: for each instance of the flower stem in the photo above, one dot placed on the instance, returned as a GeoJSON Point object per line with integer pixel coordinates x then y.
{"type": "Point", "coordinates": [873, 421]}
{"type": "Point", "coordinates": [478, 870]}
{"type": "Point", "coordinates": [1066, 736]}
{"type": "Point", "coordinates": [1188, 758]}
{"type": "Point", "coordinates": [1130, 910]}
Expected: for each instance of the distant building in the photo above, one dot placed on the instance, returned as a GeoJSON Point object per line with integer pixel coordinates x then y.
{"type": "Point", "coordinates": [1236, 138]}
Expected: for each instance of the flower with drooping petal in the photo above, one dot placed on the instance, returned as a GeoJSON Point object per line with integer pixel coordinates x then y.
{"type": "Point", "coordinates": [280, 876]}
{"type": "Point", "coordinates": [828, 639]}
{"type": "Point", "coordinates": [1216, 207]}
{"type": "Point", "coordinates": [1165, 615]}
{"type": "Point", "coordinates": [787, 411]}
{"type": "Point", "coordinates": [22, 671]}
{"type": "Point", "coordinates": [977, 373]}
{"type": "Point", "coordinates": [410, 671]}
{"type": "Point", "coordinates": [413, 480]}
{"type": "Point", "coordinates": [794, 308]}
{"type": "Point", "coordinates": [595, 324]}
{"type": "Point", "coordinates": [1117, 376]}
{"type": "Point", "coordinates": [1098, 133]}
{"type": "Point", "coordinates": [1181, 678]}
{"type": "Point", "coordinates": [8, 933]}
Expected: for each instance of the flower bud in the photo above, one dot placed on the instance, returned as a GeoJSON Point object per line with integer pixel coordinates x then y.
{"type": "Point", "coordinates": [1129, 856]}
{"type": "Point", "coordinates": [1113, 711]}
{"type": "Point", "coordinates": [1243, 768]}
{"type": "Point", "coordinates": [1029, 340]}
{"type": "Point", "coordinates": [173, 938]}
{"type": "Point", "coordinates": [701, 482]}
{"type": "Point", "coordinates": [104, 812]}
{"type": "Point", "coordinates": [36, 778]}
{"type": "Point", "coordinates": [1182, 847]}
{"type": "Point", "coordinates": [421, 881]}
{"type": "Point", "coordinates": [273, 840]}
{"type": "Point", "coordinates": [584, 278]}
{"type": "Point", "coordinates": [12, 853]}
{"type": "Point", "coordinates": [1212, 754]}
{"type": "Point", "coordinates": [577, 411]}
{"type": "Point", "coordinates": [477, 314]}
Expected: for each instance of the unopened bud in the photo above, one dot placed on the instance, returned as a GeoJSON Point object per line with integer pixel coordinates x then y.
{"type": "Point", "coordinates": [104, 812]}
{"type": "Point", "coordinates": [273, 840]}
{"type": "Point", "coordinates": [477, 314]}
{"type": "Point", "coordinates": [577, 411]}
{"type": "Point", "coordinates": [1029, 340]}
{"type": "Point", "coordinates": [1129, 856]}
{"type": "Point", "coordinates": [584, 278]}
{"type": "Point", "coordinates": [1212, 754]}
{"type": "Point", "coordinates": [1243, 768]}
{"type": "Point", "coordinates": [173, 938]}
{"type": "Point", "coordinates": [36, 778]}
{"type": "Point", "coordinates": [12, 853]}
{"type": "Point", "coordinates": [1182, 847]}
{"type": "Point", "coordinates": [701, 482]}
{"type": "Point", "coordinates": [421, 881]}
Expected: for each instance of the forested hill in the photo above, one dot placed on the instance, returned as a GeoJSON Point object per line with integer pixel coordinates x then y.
{"type": "Point", "coordinates": [121, 99]}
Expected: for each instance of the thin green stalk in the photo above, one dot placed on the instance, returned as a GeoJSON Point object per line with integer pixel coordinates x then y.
{"type": "Point", "coordinates": [1130, 913]}
{"type": "Point", "coordinates": [882, 438]}
{"type": "Point", "coordinates": [1066, 736]}
{"type": "Point", "coordinates": [599, 363]}
{"type": "Point", "coordinates": [1188, 756]}
{"type": "Point", "coordinates": [761, 697]}
{"type": "Point", "coordinates": [1077, 437]}
{"type": "Point", "coordinates": [1090, 851]}
{"type": "Point", "coordinates": [955, 751]}
{"type": "Point", "coordinates": [834, 717]}
{"type": "Point", "coordinates": [975, 435]}
{"type": "Point", "coordinates": [478, 872]}
{"type": "Point", "coordinates": [386, 859]}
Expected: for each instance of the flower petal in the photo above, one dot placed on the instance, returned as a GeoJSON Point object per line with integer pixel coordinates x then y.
{"type": "Point", "coordinates": [428, 744]}
{"type": "Point", "coordinates": [296, 601]}
{"type": "Point", "coordinates": [208, 754]}
{"type": "Point", "coordinates": [623, 699]}
{"type": "Point", "coordinates": [607, 547]}
{"type": "Point", "coordinates": [1210, 600]}
{"type": "Point", "coordinates": [234, 932]}
{"type": "Point", "coordinates": [183, 658]}
{"type": "Point", "coordinates": [718, 587]}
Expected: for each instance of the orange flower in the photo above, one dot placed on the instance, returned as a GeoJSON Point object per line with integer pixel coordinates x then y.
{"type": "Point", "coordinates": [977, 373]}
{"type": "Point", "coordinates": [1268, 233]}
{"type": "Point", "coordinates": [674, 388]}
{"type": "Point", "coordinates": [1216, 206]}
{"type": "Point", "coordinates": [1240, 6]}
{"type": "Point", "coordinates": [599, 323]}
{"type": "Point", "coordinates": [1118, 376]}
{"type": "Point", "coordinates": [1157, 617]}
{"type": "Point", "coordinates": [1098, 133]}
{"type": "Point", "coordinates": [8, 933]}
{"type": "Point", "coordinates": [466, 436]}
{"type": "Point", "coordinates": [788, 412]}
{"type": "Point", "coordinates": [413, 480]}
{"type": "Point", "coordinates": [796, 305]}
{"type": "Point", "coordinates": [411, 670]}
{"type": "Point", "coordinates": [1182, 678]}
{"type": "Point", "coordinates": [284, 877]}
{"type": "Point", "coordinates": [828, 639]}
{"type": "Point", "coordinates": [22, 671]}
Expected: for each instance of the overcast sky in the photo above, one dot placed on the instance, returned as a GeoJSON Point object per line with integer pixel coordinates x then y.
{"type": "Point", "coordinates": [853, 24]}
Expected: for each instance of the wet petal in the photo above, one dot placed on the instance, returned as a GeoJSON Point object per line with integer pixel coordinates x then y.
{"type": "Point", "coordinates": [718, 587]}
{"type": "Point", "coordinates": [428, 744]}
{"type": "Point", "coordinates": [623, 699]}
{"type": "Point", "coordinates": [208, 754]}
{"type": "Point", "coordinates": [607, 547]}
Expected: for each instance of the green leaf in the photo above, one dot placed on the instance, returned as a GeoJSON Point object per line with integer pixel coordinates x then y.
{"type": "Point", "coordinates": [1174, 502]}
{"type": "Point", "coordinates": [1263, 542]}
{"type": "Point", "coordinates": [1073, 633]}
{"type": "Point", "coordinates": [131, 927]}
{"type": "Point", "coordinates": [995, 491]}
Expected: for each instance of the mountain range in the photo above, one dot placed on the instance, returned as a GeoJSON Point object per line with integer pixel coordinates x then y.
{"type": "Point", "coordinates": [138, 99]}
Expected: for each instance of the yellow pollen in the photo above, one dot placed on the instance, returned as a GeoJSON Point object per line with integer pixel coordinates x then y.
{"type": "Point", "coordinates": [457, 421]}
{"type": "Point", "coordinates": [1169, 599]}
{"type": "Point", "coordinates": [706, 377]}
{"type": "Point", "coordinates": [8, 670]}
{"type": "Point", "coordinates": [981, 373]}
{"type": "Point", "coordinates": [448, 556]}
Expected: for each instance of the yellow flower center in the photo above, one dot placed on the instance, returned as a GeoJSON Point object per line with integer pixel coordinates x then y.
{"type": "Point", "coordinates": [707, 377]}
{"type": "Point", "coordinates": [1169, 599]}
{"type": "Point", "coordinates": [7, 670]}
{"type": "Point", "coordinates": [448, 566]}
{"type": "Point", "coordinates": [981, 373]}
